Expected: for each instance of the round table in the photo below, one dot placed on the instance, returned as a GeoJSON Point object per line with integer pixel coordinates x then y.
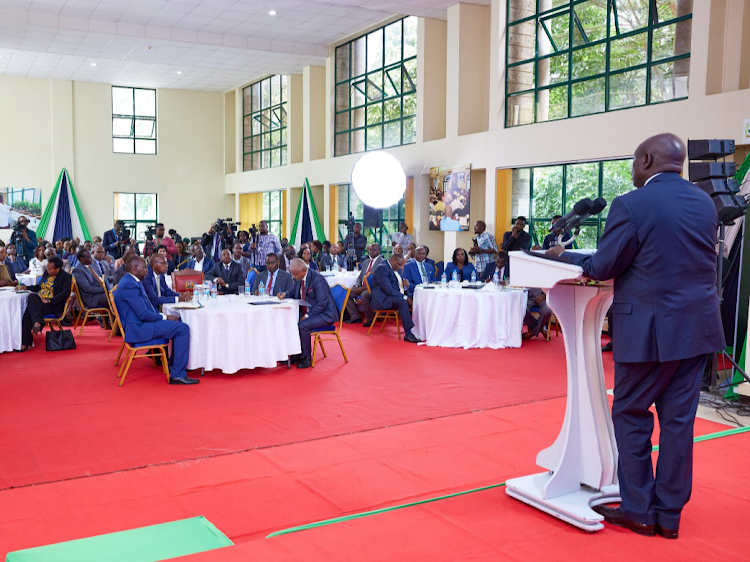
{"type": "Point", "coordinates": [26, 279]}
{"type": "Point", "coordinates": [230, 334]}
{"type": "Point", "coordinates": [345, 278]}
{"type": "Point", "coordinates": [12, 307]}
{"type": "Point", "coordinates": [469, 318]}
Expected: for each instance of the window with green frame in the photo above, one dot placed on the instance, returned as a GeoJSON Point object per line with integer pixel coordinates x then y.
{"type": "Point", "coordinates": [272, 211]}
{"type": "Point", "coordinates": [376, 89]}
{"type": "Point", "coordinates": [392, 217]}
{"type": "Point", "coordinates": [545, 191]}
{"type": "Point", "coordinates": [139, 210]}
{"type": "Point", "coordinates": [568, 58]}
{"type": "Point", "coordinates": [264, 124]}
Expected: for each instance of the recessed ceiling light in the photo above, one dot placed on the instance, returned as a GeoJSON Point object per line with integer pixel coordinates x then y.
{"type": "Point", "coordinates": [93, 64]}
{"type": "Point", "coordinates": [272, 13]}
{"type": "Point", "coordinates": [179, 72]}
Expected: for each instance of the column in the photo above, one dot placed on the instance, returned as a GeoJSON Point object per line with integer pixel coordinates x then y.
{"type": "Point", "coordinates": [432, 53]}
{"type": "Point", "coordinates": [314, 113]}
{"type": "Point", "coordinates": [294, 117]}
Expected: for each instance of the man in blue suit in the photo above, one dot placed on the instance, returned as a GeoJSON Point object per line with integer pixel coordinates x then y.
{"type": "Point", "coordinates": [321, 310]}
{"type": "Point", "coordinates": [417, 271]}
{"type": "Point", "coordinates": [200, 261]}
{"type": "Point", "coordinates": [155, 285]}
{"type": "Point", "coordinates": [227, 274]}
{"type": "Point", "coordinates": [499, 266]}
{"type": "Point", "coordinates": [386, 294]}
{"type": "Point", "coordinates": [142, 323]}
{"type": "Point", "coordinates": [660, 248]}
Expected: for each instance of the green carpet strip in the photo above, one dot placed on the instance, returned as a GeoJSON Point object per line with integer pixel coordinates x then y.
{"type": "Point", "coordinates": [325, 522]}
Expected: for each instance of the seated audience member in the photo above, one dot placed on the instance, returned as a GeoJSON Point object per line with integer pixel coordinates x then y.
{"type": "Point", "coordinates": [227, 275]}
{"type": "Point", "coordinates": [286, 257]}
{"type": "Point", "coordinates": [310, 286]}
{"type": "Point", "coordinates": [536, 298]}
{"type": "Point", "coordinates": [96, 240]}
{"type": "Point", "coordinates": [371, 262]}
{"type": "Point", "coordinates": [274, 279]}
{"type": "Point", "coordinates": [499, 266]}
{"type": "Point", "coordinates": [183, 256]}
{"type": "Point", "coordinates": [164, 251]}
{"type": "Point", "coordinates": [121, 271]}
{"type": "Point", "coordinates": [316, 252]}
{"type": "Point", "coordinates": [73, 255]}
{"type": "Point", "coordinates": [551, 239]}
{"type": "Point", "coordinates": [50, 296]}
{"type": "Point", "coordinates": [88, 245]}
{"type": "Point", "coordinates": [155, 284]}
{"type": "Point", "coordinates": [127, 248]}
{"type": "Point", "coordinates": [16, 261]}
{"type": "Point", "coordinates": [241, 260]}
{"type": "Point", "coordinates": [142, 323]}
{"type": "Point", "coordinates": [59, 247]}
{"type": "Point", "coordinates": [417, 272]}
{"type": "Point", "coordinates": [200, 261]}
{"type": "Point", "coordinates": [7, 273]}
{"type": "Point", "coordinates": [333, 261]}
{"type": "Point", "coordinates": [101, 264]}
{"type": "Point", "coordinates": [38, 264]}
{"type": "Point", "coordinates": [284, 243]}
{"type": "Point", "coordinates": [386, 294]}
{"type": "Point", "coordinates": [410, 253]}
{"type": "Point", "coordinates": [517, 238]}
{"type": "Point", "coordinates": [243, 239]}
{"type": "Point", "coordinates": [305, 255]}
{"type": "Point", "coordinates": [397, 249]}
{"type": "Point", "coordinates": [90, 285]}
{"type": "Point", "coordinates": [460, 265]}
{"type": "Point", "coordinates": [401, 237]}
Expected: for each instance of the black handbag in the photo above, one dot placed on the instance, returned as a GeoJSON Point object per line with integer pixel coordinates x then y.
{"type": "Point", "coordinates": [60, 340]}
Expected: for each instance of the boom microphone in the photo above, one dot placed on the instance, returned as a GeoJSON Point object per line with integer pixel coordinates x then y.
{"type": "Point", "coordinates": [582, 207]}
{"type": "Point", "coordinates": [596, 208]}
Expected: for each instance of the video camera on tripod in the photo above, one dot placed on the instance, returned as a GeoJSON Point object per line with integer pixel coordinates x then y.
{"type": "Point", "coordinates": [351, 254]}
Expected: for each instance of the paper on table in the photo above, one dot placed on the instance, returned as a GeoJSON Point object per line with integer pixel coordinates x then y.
{"type": "Point", "coordinates": [187, 304]}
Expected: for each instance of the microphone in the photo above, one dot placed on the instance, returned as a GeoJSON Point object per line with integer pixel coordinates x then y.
{"type": "Point", "coordinates": [580, 208]}
{"type": "Point", "coordinates": [596, 208]}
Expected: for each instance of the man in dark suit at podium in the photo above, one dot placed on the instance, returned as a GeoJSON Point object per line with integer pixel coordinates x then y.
{"type": "Point", "coordinates": [659, 246]}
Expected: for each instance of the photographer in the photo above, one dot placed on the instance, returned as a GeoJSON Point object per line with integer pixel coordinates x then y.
{"type": "Point", "coordinates": [115, 239]}
{"type": "Point", "coordinates": [262, 243]}
{"type": "Point", "coordinates": [357, 242]}
{"type": "Point", "coordinates": [219, 237]}
{"type": "Point", "coordinates": [24, 239]}
{"type": "Point", "coordinates": [159, 240]}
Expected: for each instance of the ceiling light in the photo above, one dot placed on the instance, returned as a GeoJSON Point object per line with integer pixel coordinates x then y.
{"type": "Point", "coordinates": [179, 72]}
{"type": "Point", "coordinates": [272, 13]}
{"type": "Point", "coordinates": [93, 64]}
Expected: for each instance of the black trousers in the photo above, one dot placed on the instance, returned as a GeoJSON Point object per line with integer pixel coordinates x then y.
{"type": "Point", "coordinates": [36, 310]}
{"type": "Point", "coordinates": [402, 306]}
{"type": "Point", "coordinates": [674, 387]}
{"type": "Point", "coordinates": [306, 325]}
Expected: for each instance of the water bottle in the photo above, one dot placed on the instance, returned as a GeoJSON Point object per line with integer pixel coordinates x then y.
{"type": "Point", "coordinates": [248, 289]}
{"type": "Point", "coordinates": [496, 281]}
{"type": "Point", "coordinates": [454, 278]}
{"type": "Point", "coordinates": [444, 281]}
{"type": "Point", "coordinates": [473, 277]}
{"type": "Point", "coordinates": [214, 290]}
{"type": "Point", "coordinates": [262, 290]}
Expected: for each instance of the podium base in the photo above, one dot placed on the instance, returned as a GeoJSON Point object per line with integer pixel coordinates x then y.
{"type": "Point", "coordinates": [573, 508]}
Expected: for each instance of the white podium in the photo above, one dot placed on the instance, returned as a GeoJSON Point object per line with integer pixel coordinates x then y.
{"type": "Point", "coordinates": [582, 462]}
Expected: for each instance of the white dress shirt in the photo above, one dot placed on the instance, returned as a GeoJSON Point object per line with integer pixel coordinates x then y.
{"type": "Point", "coordinates": [198, 265]}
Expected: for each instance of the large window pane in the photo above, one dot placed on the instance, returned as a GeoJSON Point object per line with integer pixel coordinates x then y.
{"type": "Point", "coordinates": [138, 211]}
{"type": "Point", "coordinates": [574, 45]}
{"type": "Point", "coordinates": [376, 79]}
{"type": "Point", "coordinates": [265, 118]}
{"type": "Point", "coordinates": [133, 120]}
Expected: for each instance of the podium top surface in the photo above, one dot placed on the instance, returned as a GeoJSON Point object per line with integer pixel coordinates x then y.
{"type": "Point", "coordinates": [529, 270]}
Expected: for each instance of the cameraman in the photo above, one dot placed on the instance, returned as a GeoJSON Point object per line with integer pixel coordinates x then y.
{"type": "Point", "coordinates": [24, 239]}
{"type": "Point", "coordinates": [115, 239]}
{"type": "Point", "coordinates": [358, 243]}
{"type": "Point", "coordinates": [262, 244]}
{"type": "Point", "coordinates": [159, 240]}
{"type": "Point", "coordinates": [219, 237]}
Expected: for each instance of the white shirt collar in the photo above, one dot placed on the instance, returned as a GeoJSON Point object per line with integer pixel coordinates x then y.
{"type": "Point", "coordinates": [134, 277]}
{"type": "Point", "coordinates": [652, 177]}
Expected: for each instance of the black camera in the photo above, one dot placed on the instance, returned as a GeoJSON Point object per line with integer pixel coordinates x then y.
{"type": "Point", "coordinates": [224, 226]}
{"type": "Point", "coordinates": [150, 231]}
{"type": "Point", "coordinates": [18, 227]}
{"type": "Point", "coordinates": [253, 231]}
{"type": "Point", "coordinates": [350, 221]}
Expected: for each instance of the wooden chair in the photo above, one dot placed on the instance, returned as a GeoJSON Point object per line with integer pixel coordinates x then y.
{"type": "Point", "coordinates": [341, 296]}
{"type": "Point", "coordinates": [149, 348]}
{"type": "Point", "coordinates": [185, 280]}
{"type": "Point", "coordinates": [51, 320]}
{"type": "Point", "coordinates": [535, 312]}
{"type": "Point", "coordinates": [385, 315]}
{"type": "Point", "coordinates": [116, 323]}
{"type": "Point", "coordinates": [99, 311]}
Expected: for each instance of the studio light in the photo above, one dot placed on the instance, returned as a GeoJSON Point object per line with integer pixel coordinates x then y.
{"type": "Point", "coordinates": [379, 180]}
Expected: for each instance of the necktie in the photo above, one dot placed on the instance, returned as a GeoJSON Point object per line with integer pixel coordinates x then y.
{"type": "Point", "coordinates": [270, 284]}
{"type": "Point", "coordinates": [226, 270]}
{"type": "Point", "coordinates": [302, 295]}
{"type": "Point", "coordinates": [158, 285]}
{"type": "Point", "coordinates": [369, 267]}
{"type": "Point", "coordinates": [424, 273]}
{"type": "Point", "coordinates": [216, 247]}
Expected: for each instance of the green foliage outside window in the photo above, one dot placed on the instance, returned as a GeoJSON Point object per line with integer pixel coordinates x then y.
{"type": "Point", "coordinates": [392, 216]}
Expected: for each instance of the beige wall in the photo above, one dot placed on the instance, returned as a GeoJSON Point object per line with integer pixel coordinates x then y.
{"type": "Point", "coordinates": [50, 124]}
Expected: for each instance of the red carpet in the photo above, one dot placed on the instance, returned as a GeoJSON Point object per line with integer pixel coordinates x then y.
{"type": "Point", "coordinates": [82, 423]}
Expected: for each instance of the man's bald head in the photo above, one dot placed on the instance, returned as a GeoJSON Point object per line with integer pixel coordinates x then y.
{"type": "Point", "coordinates": [298, 268]}
{"type": "Point", "coordinates": [658, 154]}
{"type": "Point", "coordinates": [136, 266]}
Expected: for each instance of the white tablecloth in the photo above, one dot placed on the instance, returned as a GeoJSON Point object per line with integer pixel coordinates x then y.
{"type": "Point", "coordinates": [12, 307]}
{"type": "Point", "coordinates": [26, 279]}
{"type": "Point", "coordinates": [345, 278]}
{"type": "Point", "coordinates": [230, 335]}
{"type": "Point", "coordinates": [469, 318]}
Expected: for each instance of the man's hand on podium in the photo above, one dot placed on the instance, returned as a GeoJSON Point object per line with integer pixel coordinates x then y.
{"type": "Point", "coordinates": [556, 251]}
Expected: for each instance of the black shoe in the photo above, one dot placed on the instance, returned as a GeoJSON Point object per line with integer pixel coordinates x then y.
{"type": "Point", "coordinates": [295, 358]}
{"type": "Point", "coordinates": [306, 363]}
{"type": "Point", "coordinates": [614, 516]}
{"type": "Point", "coordinates": [607, 347]}
{"type": "Point", "coordinates": [353, 321]}
{"type": "Point", "coordinates": [66, 322]}
{"type": "Point", "coordinates": [183, 380]}
{"type": "Point", "coordinates": [411, 338]}
{"type": "Point", "coordinates": [367, 324]}
{"type": "Point", "coordinates": [666, 533]}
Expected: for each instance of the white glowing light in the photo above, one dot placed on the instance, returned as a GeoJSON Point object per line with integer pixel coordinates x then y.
{"type": "Point", "coordinates": [272, 13]}
{"type": "Point", "coordinates": [379, 180]}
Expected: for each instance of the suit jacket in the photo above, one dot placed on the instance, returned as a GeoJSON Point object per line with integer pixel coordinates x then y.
{"type": "Point", "coordinates": [149, 285]}
{"type": "Point", "coordinates": [19, 266]}
{"type": "Point", "coordinates": [659, 246]}
{"type": "Point", "coordinates": [489, 271]}
{"type": "Point", "coordinates": [282, 262]}
{"type": "Point", "coordinates": [414, 277]}
{"type": "Point", "coordinates": [208, 265]}
{"type": "Point", "coordinates": [108, 241]}
{"type": "Point", "coordinates": [327, 260]}
{"type": "Point", "coordinates": [61, 288]}
{"type": "Point", "coordinates": [88, 285]}
{"type": "Point", "coordinates": [118, 274]}
{"type": "Point", "coordinates": [464, 273]}
{"type": "Point", "coordinates": [430, 261]}
{"type": "Point", "coordinates": [181, 261]}
{"type": "Point", "coordinates": [208, 245]}
{"type": "Point", "coordinates": [365, 264]}
{"type": "Point", "coordinates": [245, 264]}
{"type": "Point", "coordinates": [385, 288]}
{"type": "Point", "coordinates": [104, 267]}
{"type": "Point", "coordinates": [233, 280]}
{"type": "Point", "coordinates": [11, 269]}
{"type": "Point", "coordinates": [318, 296]}
{"type": "Point", "coordinates": [283, 282]}
{"type": "Point", "coordinates": [136, 312]}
